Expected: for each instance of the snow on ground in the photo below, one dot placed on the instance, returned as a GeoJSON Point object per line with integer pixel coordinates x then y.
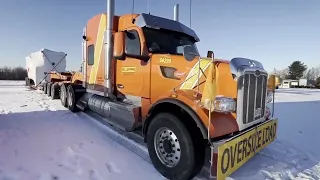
{"type": "Point", "coordinates": [41, 140]}
{"type": "Point", "coordinates": [295, 153]}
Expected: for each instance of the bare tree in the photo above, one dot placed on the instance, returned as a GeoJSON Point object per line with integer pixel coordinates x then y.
{"type": "Point", "coordinates": [312, 73]}
{"type": "Point", "coordinates": [18, 73]}
{"type": "Point", "coordinates": [282, 74]}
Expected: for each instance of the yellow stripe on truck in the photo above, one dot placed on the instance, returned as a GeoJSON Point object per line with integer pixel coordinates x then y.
{"type": "Point", "coordinates": [98, 49]}
{"type": "Point", "coordinates": [192, 78]}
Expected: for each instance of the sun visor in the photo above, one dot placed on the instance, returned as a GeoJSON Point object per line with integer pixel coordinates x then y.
{"type": "Point", "coordinates": [147, 20]}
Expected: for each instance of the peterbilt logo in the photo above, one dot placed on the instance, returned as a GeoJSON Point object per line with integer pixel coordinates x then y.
{"type": "Point", "coordinates": [257, 73]}
{"type": "Point", "coordinates": [258, 112]}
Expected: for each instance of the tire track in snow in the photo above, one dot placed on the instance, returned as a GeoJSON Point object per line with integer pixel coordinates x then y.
{"type": "Point", "coordinates": [40, 99]}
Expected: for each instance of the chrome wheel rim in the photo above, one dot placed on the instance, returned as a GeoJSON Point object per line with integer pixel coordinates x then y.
{"type": "Point", "coordinates": [70, 99]}
{"type": "Point", "coordinates": [62, 95]}
{"type": "Point", "coordinates": [167, 147]}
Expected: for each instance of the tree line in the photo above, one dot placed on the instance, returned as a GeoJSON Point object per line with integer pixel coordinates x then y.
{"type": "Point", "coordinates": [17, 73]}
{"type": "Point", "coordinates": [298, 70]}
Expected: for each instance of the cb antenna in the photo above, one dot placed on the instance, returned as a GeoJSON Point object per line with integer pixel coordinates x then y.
{"type": "Point", "coordinates": [148, 6]}
{"type": "Point", "coordinates": [132, 12]}
{"type": "Point", "coordinates": [190, 14]}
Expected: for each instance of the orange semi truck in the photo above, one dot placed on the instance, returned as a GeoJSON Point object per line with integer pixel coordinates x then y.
{"type": "Point", "coordinates": [142, 70]}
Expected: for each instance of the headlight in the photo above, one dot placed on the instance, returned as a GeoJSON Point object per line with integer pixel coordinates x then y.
{"type": "Point", "coordinates": [223, 104]}
{"type": "Point", "coordinates": [269, 96]}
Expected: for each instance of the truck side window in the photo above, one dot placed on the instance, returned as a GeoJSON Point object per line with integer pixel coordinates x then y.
{"type": "Point", "coordinates": [133, 42]}
{"type": "Point", "coordinates": [90, 54]}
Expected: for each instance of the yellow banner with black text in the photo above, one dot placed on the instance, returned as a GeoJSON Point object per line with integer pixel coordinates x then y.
{"type": "Point", "coordinates": [233, 154]}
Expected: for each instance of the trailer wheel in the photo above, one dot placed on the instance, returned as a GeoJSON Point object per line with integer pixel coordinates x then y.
{"type": "Point", "coordinates": [63, 94]}
{"type": "Point", "coordinates": [55, 91]}
{"type": "Point", "coordinates": [72, 97]}
{"type": "Point", "coordinates": [45, 88]}
{"type": "Point", "coordinates": [172, 150]}
{"type": "Point", "coordinates": [27, 81]}
{"type": "Point", "coordinates": [49, 88]}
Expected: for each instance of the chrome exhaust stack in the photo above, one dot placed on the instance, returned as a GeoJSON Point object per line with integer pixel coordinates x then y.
{"type": "Point", "coordinates": [176, 12]}
{"type": "Point", "coordinates": [108, 90]}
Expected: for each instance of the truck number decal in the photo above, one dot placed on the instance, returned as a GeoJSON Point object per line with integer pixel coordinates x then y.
{"type": "Point", "coordinates": [165, 60]}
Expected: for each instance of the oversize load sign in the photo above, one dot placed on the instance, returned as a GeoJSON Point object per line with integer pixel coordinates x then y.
{"type": "Point", "coordinates": [236, 152]}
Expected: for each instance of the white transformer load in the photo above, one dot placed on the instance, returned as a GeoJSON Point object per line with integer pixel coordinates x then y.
{"type": "Point", "coordinates": [39, 63]}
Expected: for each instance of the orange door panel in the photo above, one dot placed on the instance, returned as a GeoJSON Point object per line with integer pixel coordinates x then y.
{"type": "Point", "coordinates": [133, 74]}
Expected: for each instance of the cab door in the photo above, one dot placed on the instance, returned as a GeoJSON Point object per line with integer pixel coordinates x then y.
{"type": "Point", "coordinates": [133, 74]}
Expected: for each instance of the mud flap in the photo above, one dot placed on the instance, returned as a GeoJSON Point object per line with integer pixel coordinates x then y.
{"type": "Point", "coordinates": [213, 163]}
{"type": "Point", "coordinates": [228, 155]}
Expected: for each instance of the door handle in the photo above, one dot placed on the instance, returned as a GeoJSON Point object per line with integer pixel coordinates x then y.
{"type": "Point", "coordinates": [120, 86]}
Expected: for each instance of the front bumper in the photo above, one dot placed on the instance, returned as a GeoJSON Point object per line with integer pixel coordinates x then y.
{"type": "Point", "coordinates": [228, 155]}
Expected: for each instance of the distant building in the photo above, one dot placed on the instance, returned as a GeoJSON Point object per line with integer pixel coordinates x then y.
{"type": "Point", "coordinates": [306, 82]}
{"type": "Point", "coordinates": [289, 83]}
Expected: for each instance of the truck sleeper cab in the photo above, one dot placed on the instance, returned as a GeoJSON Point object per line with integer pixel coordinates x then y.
{"type": "Point", "coordinates": [157, 78]}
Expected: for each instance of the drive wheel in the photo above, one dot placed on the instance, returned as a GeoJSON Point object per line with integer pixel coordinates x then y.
{"type": "Point", "coordinates": [172, 150]}
{"type": "Point", "coordinates": [27, 81]}
{"type": "Point", "coordinates": [45, 88]}
{"type": "Point", "coordinates": [55, 91]}
{"type": "Point", "coordinates": [63, 94]}
{"type": "Point", "coordinates": [72, 98]}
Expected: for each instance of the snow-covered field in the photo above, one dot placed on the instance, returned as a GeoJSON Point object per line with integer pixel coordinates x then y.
{"type": "Point", "coordinates": [41, 140]}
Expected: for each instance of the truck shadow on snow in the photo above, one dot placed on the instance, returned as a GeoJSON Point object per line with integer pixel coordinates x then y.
{"type": "Point", "coordinates": [294, 152]}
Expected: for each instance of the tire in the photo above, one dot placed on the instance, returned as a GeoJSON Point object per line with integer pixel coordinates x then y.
{"type": "Point", "coordinates": [189, 152]}
{"type": "Point", "coordinates": [63, 94]}
{"type": "Point", "coordinates": [27, 82]}
{"type": "Point", "coordinates": [49, 88]}
{"type": "Point", "coordinates": [45, 88]}
{"type": "Point", "coordinates": [73, 97]}
{"type": "Point", "coordinates": [55, 91]}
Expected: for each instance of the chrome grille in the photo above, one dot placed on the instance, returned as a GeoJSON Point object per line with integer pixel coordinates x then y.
{"type": "Point", "coordinates": [253, 89]}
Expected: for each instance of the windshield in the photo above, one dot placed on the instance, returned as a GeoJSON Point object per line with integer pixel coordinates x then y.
{"type": "Point", "coordinates": [168, 42]}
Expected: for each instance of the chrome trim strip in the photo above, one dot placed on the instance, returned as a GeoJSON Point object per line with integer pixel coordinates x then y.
{"type": "Point", "coordinates": [84, 59]}
{"type": "Point", "coordinates": [129, 99]}
{"type": "Point", "coordinates": [95, 92]}
{"type": "Point", "coordinates": [135, 100]}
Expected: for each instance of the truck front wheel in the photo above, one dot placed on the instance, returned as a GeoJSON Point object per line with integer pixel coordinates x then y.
{"type": "Point", "coordinates": [172, 150]}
